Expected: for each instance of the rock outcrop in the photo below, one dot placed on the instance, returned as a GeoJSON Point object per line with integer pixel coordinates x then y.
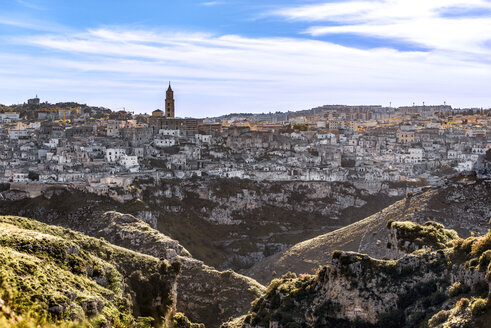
{"type": "Point", "coordinates": [461, 204]}
{"type": "Point", "coordinates": [355, 290]}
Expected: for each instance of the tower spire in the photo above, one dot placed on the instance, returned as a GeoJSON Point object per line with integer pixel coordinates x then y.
{"type": "Point", "coordinates": [169, 102]}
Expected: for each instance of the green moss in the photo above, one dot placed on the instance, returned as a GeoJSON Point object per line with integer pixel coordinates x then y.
{"type": "Point", "coordinates": [64, 277]}
{"type": "Point", "coordinates": [479, 306]}
{"type": "Point", "coordinates": [431, 234]}
{"type": "Point", "coordinates": [181, 321]}
{"type": "Point", "coordinates": [438, 318]}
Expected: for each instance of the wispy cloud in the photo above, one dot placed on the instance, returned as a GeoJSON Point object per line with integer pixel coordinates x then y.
{"type": "Point", "coordinates": [127, 67]}
{"type": "Point", "coordinates": [29, 5]}
{"type": "Point", "coordinates": [120, 67]}
{"type": "Point", "coordinates": [415, 21]}
{"type": "Point", "coordinates": [212, 3]}
{"type": "Point", "coordinates": [29, 23]}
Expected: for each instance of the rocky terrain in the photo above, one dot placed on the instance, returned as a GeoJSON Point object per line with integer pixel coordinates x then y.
{"type": "Point", "coordinates": [443, 282]}
{"type": "Point", "coordinates": [203, 293]}
{"type": "Point", "coordinates": [50, 274]}
{"type": "Point", "coordinates": [236, 223]}
{"type": "Point", "coordinates": [227, 223]}
{"type": "Point", "coordinates": [461, 204]}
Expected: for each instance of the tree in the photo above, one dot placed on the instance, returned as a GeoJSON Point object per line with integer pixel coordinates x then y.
{"type": "Point", "coordinates": [33, 176]}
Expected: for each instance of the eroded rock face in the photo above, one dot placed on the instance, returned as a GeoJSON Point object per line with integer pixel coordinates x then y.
{"type": "Point", "coordinates": [355, 290]}
{"type": "Point", "coordinates": [204, 294]}
{"type": "Point", "coordinates": [470, 214]}
{"type": "Point", "coordinates": [227, 223]}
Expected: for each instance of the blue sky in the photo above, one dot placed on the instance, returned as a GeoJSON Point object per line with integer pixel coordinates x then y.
{"type": "Point", "coordinates": [246, 56]}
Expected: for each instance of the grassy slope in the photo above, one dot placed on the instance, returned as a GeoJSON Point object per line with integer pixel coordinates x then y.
{"type": "Point", "coordinates": [55, 274]}
{"type": "Point", "coordinates": [204, 294]}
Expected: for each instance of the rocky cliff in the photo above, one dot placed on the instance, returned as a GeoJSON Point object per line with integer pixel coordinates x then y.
{"type": "Point", "coordinates": [227, 223]}
{"type": "Point", "coordinates": [448, 287]}
{"type": "Point", "coordinates": [461, 204]}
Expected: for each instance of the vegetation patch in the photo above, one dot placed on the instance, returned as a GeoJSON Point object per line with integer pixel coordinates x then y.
{"type": "Point", "coordinates": [432, 234]}
{"type": "Point", "coordinates": [51, 276]}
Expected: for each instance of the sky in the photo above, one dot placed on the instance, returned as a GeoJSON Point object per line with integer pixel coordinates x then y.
{"type": "Point", "coordinates": [246, 56]}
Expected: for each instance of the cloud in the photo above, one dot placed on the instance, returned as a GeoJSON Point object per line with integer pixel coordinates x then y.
{"type": "Point", "coordinates": [28, 4]}
{"type": "Point", "coordinates": [427, 23]}
{"type": "Point", "coordinates": [215, 74]}
{"type": "Point", "coordinates": [212, 3]}
{"type": "Point", "coordinates": [29, 23]}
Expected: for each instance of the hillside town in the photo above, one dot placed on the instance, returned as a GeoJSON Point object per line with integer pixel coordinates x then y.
{"type": "Point", "coordinates": [98, 148]}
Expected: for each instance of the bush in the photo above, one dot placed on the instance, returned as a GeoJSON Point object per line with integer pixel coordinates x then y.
{"type": "Point", "coordinates": [456, 289]}
{"type": "Point", "coordinates": [463, 303]}
{"type": "Point", "coordinates": [479, 306]}
{"type": "Point", "coordinates": [484, 260]}
{"type": "Point", "coordinates": [336, 254]}
{"type": "Point", "coordinates": [481, 245]}
{"type": "Point", "coordinates": [114, 281]}
{"type": "Point", "coordinates": [438, 318]}
{"type": "Point", "coordinates": [181, 321]}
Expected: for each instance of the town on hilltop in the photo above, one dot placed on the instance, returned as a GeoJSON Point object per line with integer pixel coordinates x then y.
{"type": "Point", "coordinates": [95, 149]}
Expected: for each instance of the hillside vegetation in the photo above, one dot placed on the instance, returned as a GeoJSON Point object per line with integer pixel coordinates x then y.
{"type": "Point", "coordinates": [206, 295]}
{"type": "Point", "coordinates": [54, 276]}
{"type": "Point", "coordinates": [226, 223]}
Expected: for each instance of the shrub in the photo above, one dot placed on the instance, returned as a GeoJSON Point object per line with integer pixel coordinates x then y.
{"type": "Point", "coordinates": [463, 303]}
{"type": "Point", "coordinates": [114, 281]}
{"type": "Point", "coordinates": [434, 224]}
{"type": "Point", "coordinates": [181, 321]}
{"type": "Point", "coordinates": [273, 285]}
{"type": "Point", "coordinates": [336, 254]}
{"type": "Point", "coordinates": [484, 260]}
{"type": "Point", "coordinates": [479, 306]}
{"type": "Point", "coordinates": [438, 318]}
{"type": "Point", "coordinates": [456, 289]}
{"type": "Point", "coordinates": [145, 322]}
{"type": "Point", "coordinates": [289, 275]}
{"type": "Point", "coordinates": [481, 245]}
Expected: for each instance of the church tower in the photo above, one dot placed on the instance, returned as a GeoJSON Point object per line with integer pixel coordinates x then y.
{"type": "Point", "coordinates": [169, 103]}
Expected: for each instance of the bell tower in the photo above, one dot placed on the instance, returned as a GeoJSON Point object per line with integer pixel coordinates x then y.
{"type": "Point", "coordinates": [169, 103]}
